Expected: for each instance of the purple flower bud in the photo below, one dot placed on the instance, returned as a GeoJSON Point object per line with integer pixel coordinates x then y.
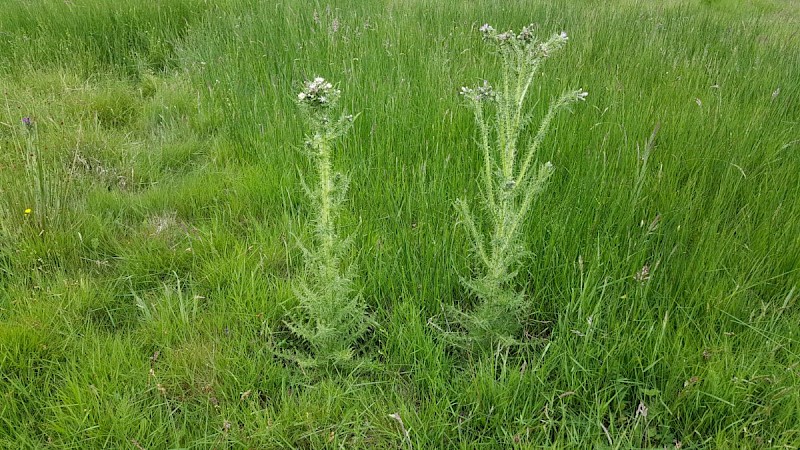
{"type": "Point", "coordinates": [26, 121]}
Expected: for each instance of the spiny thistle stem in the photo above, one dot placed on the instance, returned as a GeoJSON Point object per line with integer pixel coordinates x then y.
{"type": "Point", "coordinates": [325, 219]}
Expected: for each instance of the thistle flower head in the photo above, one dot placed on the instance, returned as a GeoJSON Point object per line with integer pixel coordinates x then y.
{"type": "Point", "coordinates": [485, 91]}
{"type": "Point", "coordinates": [526, 35]}
{"type": "Point", "coordinates": [571, 97]}
{"type": "Point", "coordinates": [318, 93]}
{"type": "Point", "coordinates": [481, 93]}
{"type": "Point", "coordinates": [486, 28]}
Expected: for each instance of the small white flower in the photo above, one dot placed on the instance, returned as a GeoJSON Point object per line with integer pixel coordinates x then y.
{"type": "Point", "coordinates": [301, 96]}
{"type": "Point", "coordinates": [486, 28]}
{"type": "Point", "coordinates": [563, 35]}
{"type": "Point", "coordinates": [582, 95]}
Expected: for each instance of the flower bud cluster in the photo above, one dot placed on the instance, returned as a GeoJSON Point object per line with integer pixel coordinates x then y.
{"type": "Point", "coordinates": [554, 43]}
{"type": "Point", "coordinates": [576, 96]}
{"type": "Point", "coordinates": [318, 92]}
{"type": "Point", "coordinates": [525, 36]}
{"type": "Point", "coordinates": [571, 97]}
{"type": "Point", "coordinates": [524, 41]}
{"type": "Point", "coordinates": [480, 93]}
{"type": "Point", "coordinates": [505, 37]}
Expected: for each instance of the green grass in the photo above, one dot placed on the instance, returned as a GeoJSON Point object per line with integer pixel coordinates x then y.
{"type": "Point", "coordinates": [146, 313]}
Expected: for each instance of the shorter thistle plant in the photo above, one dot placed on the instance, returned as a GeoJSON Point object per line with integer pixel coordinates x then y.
{"type": "Point", "coordinates": [330, 316]}
{"type": "Point", "coordinates": [511, 179]}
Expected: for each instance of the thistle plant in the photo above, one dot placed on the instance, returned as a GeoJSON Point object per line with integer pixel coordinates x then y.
{"type": "Point", "coordinates": [330, 316]}
{"type": "Point", "coordinates": [511, 179]}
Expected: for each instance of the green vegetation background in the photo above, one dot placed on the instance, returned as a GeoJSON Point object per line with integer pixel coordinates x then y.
{"type": "Point", "coordinates": [142, 316]}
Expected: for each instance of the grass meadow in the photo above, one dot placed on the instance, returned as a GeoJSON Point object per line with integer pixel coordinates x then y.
{"type": "Point", "coordinates": [149, 214]}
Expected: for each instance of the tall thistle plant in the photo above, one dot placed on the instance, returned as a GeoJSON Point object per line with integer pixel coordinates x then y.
{"type": "Point", "coordinates": [511, 179]}
{"type": "Point", "coordinates": [330, 316]}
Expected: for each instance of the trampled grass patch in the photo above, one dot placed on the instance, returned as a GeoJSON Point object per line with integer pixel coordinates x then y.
{"type": "Point", "coordinates": [151, 158]}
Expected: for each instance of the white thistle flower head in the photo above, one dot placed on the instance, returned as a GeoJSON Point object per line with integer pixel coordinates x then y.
{"type": "Point", "coordinates": [486, 28]}
{"type": "Point", "coordinates": [480, 93]}
{"type": "Point", "coordinates": [563, 35]}
{"type": "Point", "coordinates": [318, 92]}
